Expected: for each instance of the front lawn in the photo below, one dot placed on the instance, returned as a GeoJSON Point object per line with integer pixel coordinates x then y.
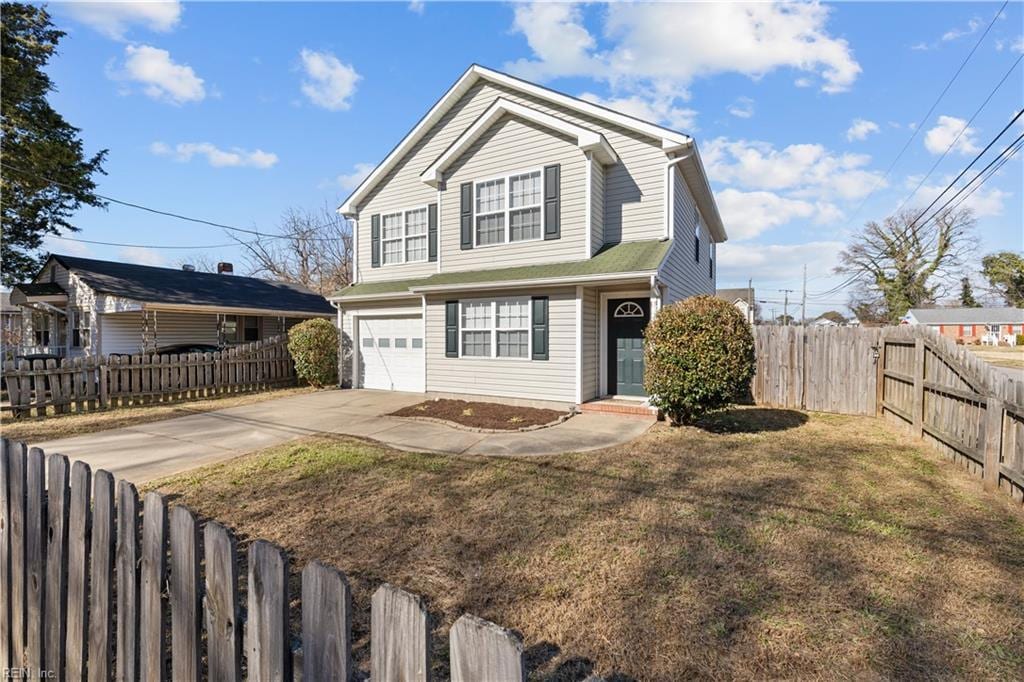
{"type": "Point", "coordinates": [768, 544]}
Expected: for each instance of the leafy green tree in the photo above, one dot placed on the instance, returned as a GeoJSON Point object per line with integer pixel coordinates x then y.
{"type": "Point", "coordinates": [46, 176]}
{"type": "Point", "coordinates": [967, 299]}
{"type": "Point", "coordinates": [1005, 274]}
{"type": "Point", "coordinates": [904, 263]}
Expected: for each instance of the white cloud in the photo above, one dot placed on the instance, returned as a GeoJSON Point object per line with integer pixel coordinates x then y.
{"type": "Point", "coordinates": [114, 19]}
{"type": "Point", "coordinates": [860, 129]}
{"type": "Point", "coordinates": [647, 50]}
{"type": "Point", "coordinates": [160, 76]}
{"type": "Point", "coordinates": [650, 109]}
{"type": "Point", "coordinates": [951, 131]}
{"type": "Point", "coordinates": [328, 83]}
{"type": "Point", "coordinates": [803, 82]}
{"type": "Point", "coordinates": [748, 214]}
{"type": "Point", "coordinates": [972, 26]}
{"type": "Point", "coordinates": [218, 158]}
{"type": "Point", "coordinates": [986, 202]}
{"type": "Point", "coordinates": [141, 255]}
{"type": "Point", "coordinates": [776, 262]}
{"type": "Point", "coordinates": [808, 171]}
{"type": "Point", "coordinates": [417, 6]}
{"type": "Point", "coordinates": [349, 181]}
{"type": "Point", "coordinates": [1015, 45]}
{"type": "Point", "coordinates": [743, 107]}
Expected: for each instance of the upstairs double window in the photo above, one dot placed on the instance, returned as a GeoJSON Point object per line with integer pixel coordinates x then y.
{"type": "Point", "coordinates": [403, 237]}
{"type": "Point", "coordinates": [508, 209]}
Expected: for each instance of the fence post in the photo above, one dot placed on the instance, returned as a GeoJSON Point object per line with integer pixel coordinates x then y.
{"type": "Point", "coordinates": [103, 371]}
{"type": "Point", "coordinates": [35, 559]}
{"type": "Point", "coordinates": [223, 623]}
{"type": "Point", "coordinates": [266, 637]}
{"type": "Point", "coordinates": [918, 414]}
{"type": "Point", "coordinates": [78, 575]}
{"type": "Point", "coordinates": [184, 588]}
{"type": "Point", "coordinates": [326, 624]}
{"type": "Point", "coordinates": [101, 581]}
{"type": "Point", "coordinates": [993, 441]}
{"type": "Point", "coordinates": [399, 636]}
{"type": "Point", "coordinates": [880, 377]}
{"type": "Point", "coordinates": [127, 581]}
{"type": "Point", "coordinates": [58, 497]}
{"type": "Point", "coordinates": [152, 574]}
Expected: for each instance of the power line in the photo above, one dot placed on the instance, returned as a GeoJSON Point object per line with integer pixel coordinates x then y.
{"type": "Point", "coordinates": [931, 109]}
{"type": "Point", "coordinates": [960, 134]}
{"type": "Point", "coordinates": [148, 246]}
{"type": "Point", "coordinates": [171, 214]}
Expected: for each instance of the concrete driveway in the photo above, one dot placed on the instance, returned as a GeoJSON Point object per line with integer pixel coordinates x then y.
{"type": "Point", "coordinates": [149, 451]}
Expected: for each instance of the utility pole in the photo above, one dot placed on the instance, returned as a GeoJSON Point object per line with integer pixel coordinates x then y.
{"type": "Point", "coordinates": [750, 300]}
{"type": "Point", "coordinates": [785, 304]}
{"type": "Point", "coordinates": [803, 299]}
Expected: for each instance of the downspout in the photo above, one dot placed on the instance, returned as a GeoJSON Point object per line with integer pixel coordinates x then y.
{"type": "Point", "coordinates": [341, 344]}
{"type": "Point", "coordinates": [670, 194]}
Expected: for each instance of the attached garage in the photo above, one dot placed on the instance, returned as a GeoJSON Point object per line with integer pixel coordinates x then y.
{"type": "Point", "coordinates": [391, 353]}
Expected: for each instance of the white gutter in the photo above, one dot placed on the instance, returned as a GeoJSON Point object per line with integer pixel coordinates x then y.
{"type": "Point", "coordinates": [550, 281]}
{"type": "Point", "coordinates": [670, 189]}
{"type": "Point", "coordinates": [190, 308]}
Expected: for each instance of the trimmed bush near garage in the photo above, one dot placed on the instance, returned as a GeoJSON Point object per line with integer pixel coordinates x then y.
{"type": "Point", "coordinates": [313, 345]}
{"type": "Point", "coordinates": [698, 357]}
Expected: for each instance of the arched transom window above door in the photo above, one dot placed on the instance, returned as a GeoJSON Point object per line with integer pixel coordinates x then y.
{"type": "Point", "coordinates": [629, 309]}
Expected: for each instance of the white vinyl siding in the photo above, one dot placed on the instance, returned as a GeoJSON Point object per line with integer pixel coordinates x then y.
{"type": "Point", "coordinates": [633, 187]}
{"type": "Point", "coordinates": [552, 379]}
{"type": "Point", "coordinates": [683, 275]}
{"type": "Point", "coordinates": [590, 372]}
{"type": "Point", "coordinates": [596, 207]}
{"type": "Point", "coordinates": [122, 332]}
{"type": "Point", "coordinates": [505, 153]}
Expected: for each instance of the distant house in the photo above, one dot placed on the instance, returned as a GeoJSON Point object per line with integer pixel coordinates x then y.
{"type": "Point", "coordinates": [833, 319]}
{"type": "Point", "coordinates": [83, 307]}
{"type": "Point", "coordinates": [10, 328]}
{"type": "Point", "coordinates": [971, 325]}
{"type": "Point", "coordinates": [742, 298]}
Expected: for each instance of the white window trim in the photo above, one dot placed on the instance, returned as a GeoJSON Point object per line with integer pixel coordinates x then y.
{"type": "Point", "coordinates": [494, 329]}
{"type": "Point", "coordinates": [508, 226]}
{"type": "Point", "coordinates": [404, 239]}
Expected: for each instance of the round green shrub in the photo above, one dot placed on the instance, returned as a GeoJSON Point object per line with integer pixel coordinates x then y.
{"type": "Point", "coordinates": [313, 345]}
{"type": "Point", "coordinates": [698, 357]}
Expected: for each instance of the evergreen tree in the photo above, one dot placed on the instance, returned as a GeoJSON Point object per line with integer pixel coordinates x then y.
{"type": "Point", "coordinates": [45, 175]}
{"type": "Point", "coordinates": [967, 294]}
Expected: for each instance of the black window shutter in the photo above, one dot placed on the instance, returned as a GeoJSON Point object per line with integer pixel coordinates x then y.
{"type": "Point", "coordinates": [466, 215]}
{"type": "Point", "coordinates": [432, 233]}
{"type": "Point", "coordinates": [552, 203]}
{"type": "Point", "coordinates": [451, 329]}
{"type": "Point", "coordinates": [375, 240]}
{"type": "Point", "coordinates": [540, 327]}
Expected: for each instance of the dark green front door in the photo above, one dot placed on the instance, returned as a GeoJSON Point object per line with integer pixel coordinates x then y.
{"type": "Point", "coordinates": [626, 321]}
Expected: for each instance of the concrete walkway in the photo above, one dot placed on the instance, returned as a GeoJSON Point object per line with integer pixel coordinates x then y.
{"type": "Point", "coordinates": [149, 451]}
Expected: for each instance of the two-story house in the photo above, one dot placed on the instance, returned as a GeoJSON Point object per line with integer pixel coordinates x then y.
{"type": "Point", "coordinates": [517, 241]}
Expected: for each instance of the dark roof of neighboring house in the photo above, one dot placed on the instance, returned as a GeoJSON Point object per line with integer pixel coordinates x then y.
{"type": "Point", "coordinates": [5, 303]}
{"type": "Point", "coordinates": [968, 315]}
{"type": "Point", "coordinates": [171, 286]}
{"type": "Point", "coordinates": [731, 295]}
{"type": "Point", "coordinates": [40, 289]}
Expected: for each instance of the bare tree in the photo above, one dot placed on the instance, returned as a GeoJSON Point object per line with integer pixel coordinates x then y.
{"type": "Point", "coordinates": [904, 263]}
{"type": "Point", "coordinates": [312, 248]}
{"type": "Point", "coordinates": [201, 262]}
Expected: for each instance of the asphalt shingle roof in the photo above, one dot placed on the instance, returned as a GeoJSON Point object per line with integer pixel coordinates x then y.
{"type": "Point", "coordinates": [168, 285]}
{"type": "Point", "coordinates": [731, 295]}
{"type": "Point", "coordinates": [968, 315]}
{"type": "Point", "coordinates": [642, 256]}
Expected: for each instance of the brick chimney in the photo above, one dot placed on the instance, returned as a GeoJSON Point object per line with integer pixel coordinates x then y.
{"type": "Point", "coordinates": [225, 269]}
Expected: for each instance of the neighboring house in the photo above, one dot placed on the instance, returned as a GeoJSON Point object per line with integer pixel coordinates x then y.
{"type": "Point", "coordinates": [742, 298]}
{"type": "Point", "coordinates": [971, 325]}
{"type": "Point", "coordinates": [517, 241]}
{"type": "Point", "coordinates": [80, 306]}
{"type": "Point", "coordinates": [10, 328]}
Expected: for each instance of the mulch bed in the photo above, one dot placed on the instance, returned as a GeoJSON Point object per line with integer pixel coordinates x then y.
{"type": "Point", "coordinates": [481, 415]}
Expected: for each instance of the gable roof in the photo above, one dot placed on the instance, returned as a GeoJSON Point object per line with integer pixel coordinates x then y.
{"type": "Point", "coordinates": [671, 141]}
{"type": "Point", "coordinates": [627, 258]}
{"type": "Point", "coordinates": [733, 295]}
{"type": "Point", "coordinates": [967, 315]}
{"type": "Point", "coordinates": [587, 140]}
{"type": "Point", "coordinates": [150, 284]}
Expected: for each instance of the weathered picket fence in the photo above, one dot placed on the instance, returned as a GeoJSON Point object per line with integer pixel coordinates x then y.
{"type": "Point", "coordinates": [95, 586]}
{"type": "Point", "coordinates": [86, 384]}
{"type": "Point", "coordinates": [910, 374]}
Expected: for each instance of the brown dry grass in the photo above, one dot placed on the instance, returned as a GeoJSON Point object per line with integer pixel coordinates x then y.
{"type": "Point", "coordinates": [1002, 356]}
{"type": "Point", "coordinates": [767, 544]}
{"type": "Point", "coordinates": [37, 429]}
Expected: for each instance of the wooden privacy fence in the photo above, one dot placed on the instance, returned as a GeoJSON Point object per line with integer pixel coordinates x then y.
{"type": "Point", "coordinates": [960, 405]}
{"type": "Point", "coordinates": [86, 384]}
{"type": "Point", "coordinates": [95, 585]}
{"type": "Point", "coordinates": [913, 376]}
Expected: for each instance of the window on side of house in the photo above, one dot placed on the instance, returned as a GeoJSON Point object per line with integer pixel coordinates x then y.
{"type": "Point", "coordinates": [80, 320]}
{"type": "Point", "coordinates": [416, 235]}
{"type": "Point", "coordinates": [509, 209]}
{"type": "Point", "coordinates": [403, 237]}
{"type": "Point", "coordinates": [495, 328]}
{"type": "Point", "coordinates": [251, 329]}
{"type": "Point", "coordinates": [229, 328]}
{"type": "Point", "coordinates": [711, 260]}
{"type": "Point", "coordinates": [41, 328]}
{"type": "Point", "coordinates": [391, 238]}
{"type": "Point", "coordinates": [696, 235]}
{"type": "Point", "coordinates": [966, 330]}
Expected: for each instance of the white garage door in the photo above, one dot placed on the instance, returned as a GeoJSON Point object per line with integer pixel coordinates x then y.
{"type": "Point", "coordinates": [391, 353]}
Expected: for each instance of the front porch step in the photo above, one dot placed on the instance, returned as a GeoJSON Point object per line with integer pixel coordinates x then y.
{"type": "Point", "coordinates": [627, 408]}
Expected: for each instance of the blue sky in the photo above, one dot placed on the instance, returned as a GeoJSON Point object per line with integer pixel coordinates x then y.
{"type": "Point", "coordinates": [234, 112]}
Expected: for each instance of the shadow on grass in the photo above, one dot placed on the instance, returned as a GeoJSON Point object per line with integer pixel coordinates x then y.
{"type": "Point", "coordinates": [752, 420]}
